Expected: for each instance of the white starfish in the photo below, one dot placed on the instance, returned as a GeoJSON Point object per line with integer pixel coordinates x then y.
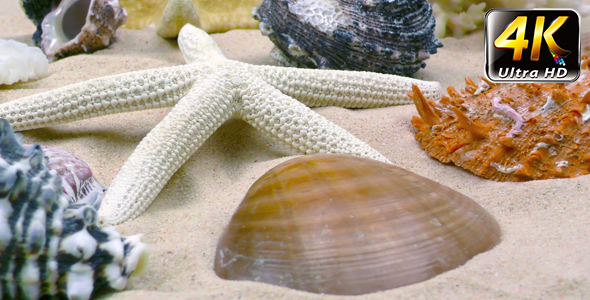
{"type": "Point", "coordinates": [206, 92]}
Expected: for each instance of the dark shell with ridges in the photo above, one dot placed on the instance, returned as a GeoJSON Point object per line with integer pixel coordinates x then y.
{"type": "Point", "coordinates": [385, 36]}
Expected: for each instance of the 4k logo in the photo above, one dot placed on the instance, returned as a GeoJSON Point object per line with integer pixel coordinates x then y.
{"type": "Point", "coordinates": [509, 32]}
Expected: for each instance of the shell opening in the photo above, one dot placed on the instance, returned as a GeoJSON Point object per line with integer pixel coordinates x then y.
{"type": "Point", "coordinates": [63, 24]}
{"type": "Point", "coordinates": [72, 19]}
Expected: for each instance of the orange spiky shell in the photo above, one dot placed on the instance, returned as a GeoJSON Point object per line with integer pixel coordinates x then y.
{"type": "Point", "coordinates": [463, 128]}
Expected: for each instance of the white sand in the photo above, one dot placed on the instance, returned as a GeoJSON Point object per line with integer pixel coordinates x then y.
{"type": "Point", "coordinates": [545, 247]}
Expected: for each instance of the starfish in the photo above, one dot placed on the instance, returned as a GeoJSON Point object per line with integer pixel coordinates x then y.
{"type": "Point", "coordinates": [205, 93]}
{"type": "Point", "coordinates": [214, 16]}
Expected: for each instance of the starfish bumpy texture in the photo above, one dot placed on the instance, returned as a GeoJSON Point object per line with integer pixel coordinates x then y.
{"type": "Point", "coordinates": [206, 92]}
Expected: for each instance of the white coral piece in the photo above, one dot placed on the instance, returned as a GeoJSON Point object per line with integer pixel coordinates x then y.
{"type": "Point", "coordinates": [19, 62]}
{"type": "Point", "coordinates": [462, 16]}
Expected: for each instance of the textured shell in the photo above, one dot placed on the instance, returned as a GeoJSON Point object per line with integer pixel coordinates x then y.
{"type": "Point", "coordinates": [510, 132]}
{"type": "Point", "coordinates": [77, 179]}
{"type": "Point", "coordinates": [346, 225]}
{"type": "Point", "coordinates": [80, 26]}
{"type": "Point", "coordinates": [386, 36]}
{"type": "Point", "coordinates": [50, 247]}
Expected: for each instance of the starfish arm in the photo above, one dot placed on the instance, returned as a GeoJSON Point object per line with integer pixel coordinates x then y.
{"type": "Point", "coordinates": [351, 89]}
{"type": "Point", "coordinates": [295, 125]}
{"type": "Point", "coordinates": [197, 46]}
{"type": "Point", "coordinates": [166, 148]}
{"type": "Point", "coordinates": [102, 96]}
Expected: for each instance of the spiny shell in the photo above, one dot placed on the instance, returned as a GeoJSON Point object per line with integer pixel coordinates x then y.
{"type": "Point", "coordinates": [510, 132]}
{"type": "Point", "coordinates": [79, 26]}
{"type": "Point", "coordinates": [346, 225]}
{"type": "Point", "coordinates": [386, 36]}
{"type": "Point", "coordinates": [50, 247]}
{"type": "Point", "coordinates": [77, 179]}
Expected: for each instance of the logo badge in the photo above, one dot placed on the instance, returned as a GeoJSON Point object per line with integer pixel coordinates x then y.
{"type": "Point", "coordinates": [532, 45]}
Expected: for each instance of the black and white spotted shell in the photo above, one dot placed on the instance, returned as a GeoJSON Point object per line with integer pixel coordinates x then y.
{"type": "Point", "coordinates": [51, 247]}
{"type": "Point", "coordinates": [385, 36]}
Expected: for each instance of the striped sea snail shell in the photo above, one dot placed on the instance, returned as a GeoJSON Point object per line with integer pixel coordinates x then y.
{"type": "Point", "coordinates": [51, 247]}
{"type": "Point", "coordinates": [385, 36]}
{"type": "Point", "coordinates": [346, 225]}
{"type": "Point", "coordinates": [510, 131]}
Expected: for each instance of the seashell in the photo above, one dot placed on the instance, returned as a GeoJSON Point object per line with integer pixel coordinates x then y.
{"type": "Point", "coordinates": [177, 13]}
{"type": "Point", "coordinates": [215, 16]}
{"type": "Point", "coordinates": [78, 181]}
{"type": "Point", "coordinates": [346, 225]}
{"type": "Point", "coordinates": [80, 26]}
{"type": "Point", "coordinates": [36, 10]}
{"type": "Point", "coordinates": [510, 132]}
{"type": "Point", "coordinates": [386, 36]}
{"type": "Point", "coordinates": [50, 247]}
{"type": "Point", "coordinates": [19, 62]}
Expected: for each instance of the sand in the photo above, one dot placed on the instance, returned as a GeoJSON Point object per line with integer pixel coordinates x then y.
{"type": "Point", "coordinates": [545, 224]}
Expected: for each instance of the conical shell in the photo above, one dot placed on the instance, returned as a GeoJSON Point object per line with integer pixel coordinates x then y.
{"type": "Point", "coordinates": [346, 225]}
{"type": "Point", "coordinates": [80, 26]}
{"type": "Point", "coordinates": [511, 131]}
{"type": "Point", "coordinates": [386, 36]}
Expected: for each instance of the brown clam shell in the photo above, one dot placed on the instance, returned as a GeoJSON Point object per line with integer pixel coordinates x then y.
{"type": "Point", "coordinates": [346, 225]}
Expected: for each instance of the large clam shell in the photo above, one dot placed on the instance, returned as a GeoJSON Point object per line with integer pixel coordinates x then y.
{"type": "Point", "coordinates": [386, 36]}
{"type": "Point", "coordinates": [346, 225]}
